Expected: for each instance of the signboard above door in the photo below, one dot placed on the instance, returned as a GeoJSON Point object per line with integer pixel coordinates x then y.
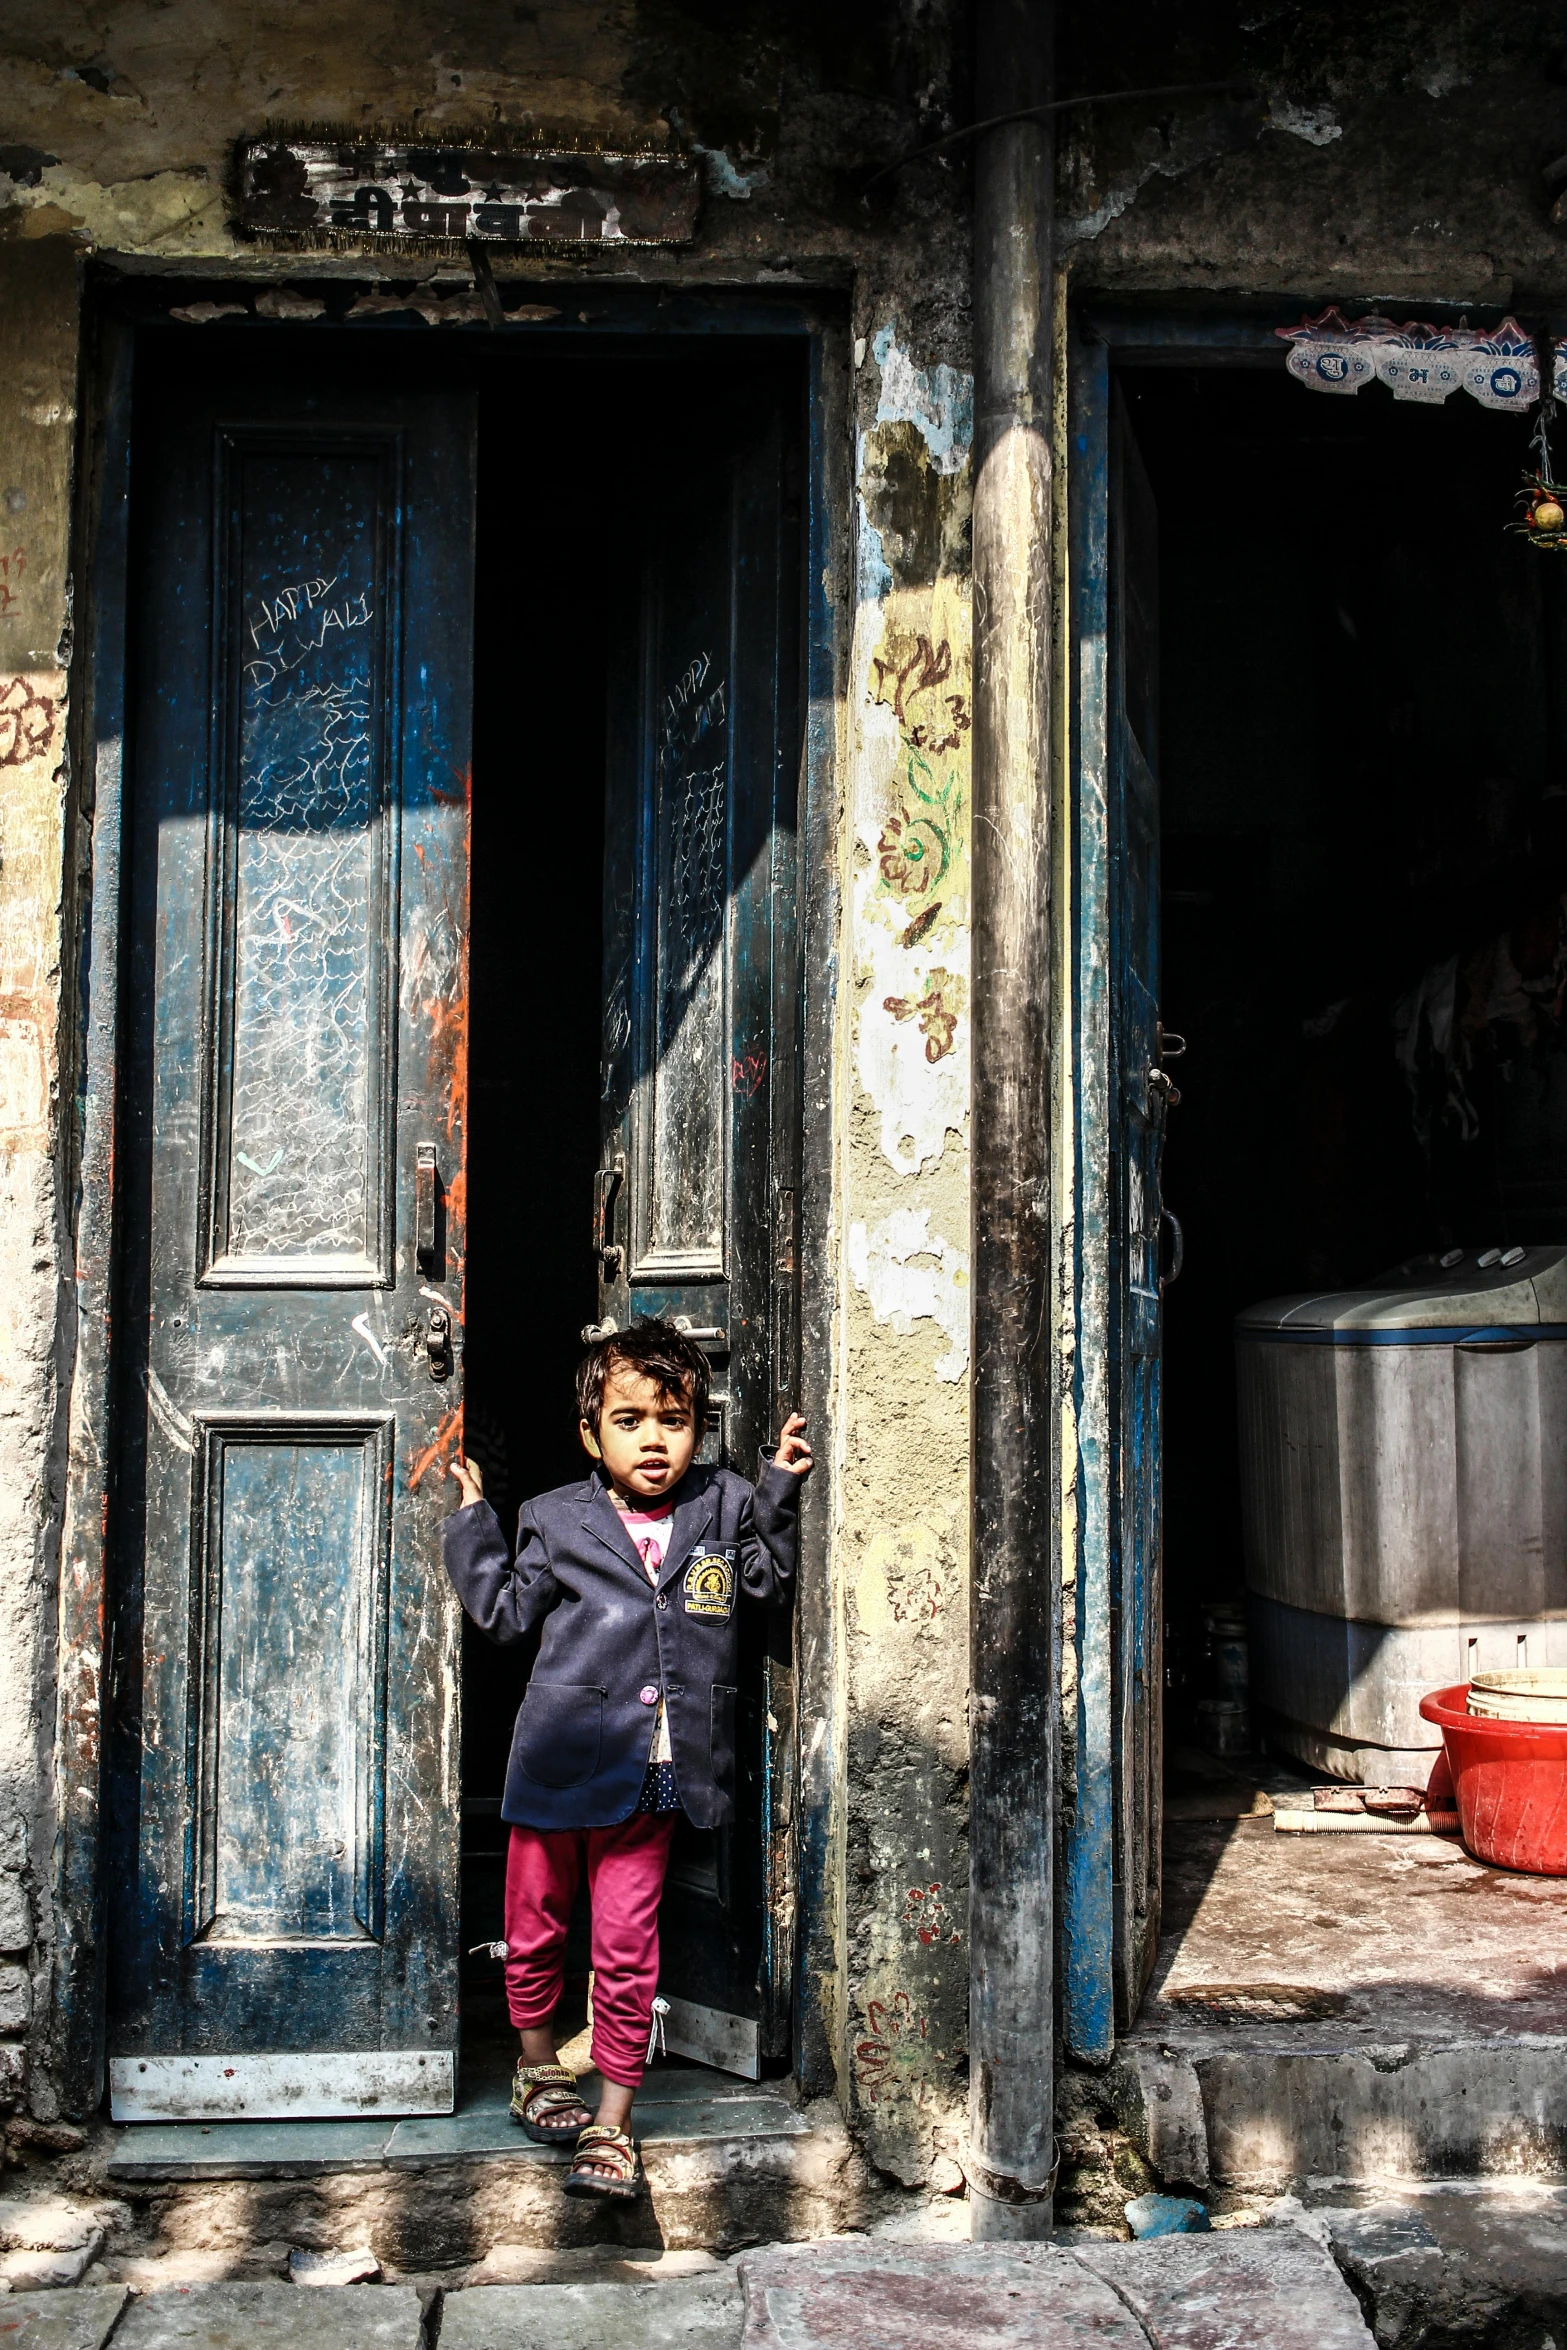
{"type": "Point", "coordinates": [317, 191]}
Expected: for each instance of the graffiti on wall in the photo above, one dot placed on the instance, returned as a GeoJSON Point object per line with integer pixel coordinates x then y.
{"type": "Point", "coordinates": [30, 711]}
{"type": "Point", "coordinates": [892, 2054]}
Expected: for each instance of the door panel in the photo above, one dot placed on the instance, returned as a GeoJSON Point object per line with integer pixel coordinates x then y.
{"type": "Point", "coordinates": [1111, 1889]}
{"type": "Point", "coordinates": [306, 912]}
{"type": "Point", "coordinates": [286, 1699]}
{"type": "Point", "coordinates": [1137, 1141]}
{"type": "Point", "coordinates": [700, 1118]}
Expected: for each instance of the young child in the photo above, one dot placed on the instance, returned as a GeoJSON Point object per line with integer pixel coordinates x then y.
{"type": "Point", "coordinates": [635, 1576]}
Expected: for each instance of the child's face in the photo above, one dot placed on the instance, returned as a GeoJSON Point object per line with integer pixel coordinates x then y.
{"type": "Point", "coordinates": [644, 1438]}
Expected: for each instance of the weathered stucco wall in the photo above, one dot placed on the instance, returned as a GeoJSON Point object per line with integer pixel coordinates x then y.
{"type": "Point", "coordinates": [118, 138]}
{"type": "Point", "coordinates": [1394, 151]}
{"type": "Point", "coordinates": [902, 1136]}
{"type": "Point", "coordinates": [38, 333]}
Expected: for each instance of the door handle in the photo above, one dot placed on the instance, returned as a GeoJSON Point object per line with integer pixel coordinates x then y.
{"type": "Point", "coordinates": [426, 1184]}
{"type": "Point", "coordinates": [607, 1185]}
{"type": "Point", "coordinates": [438, 1343]}
{"type": "Point", "coordinates": [1177, 1253]}
{"type": "Point", "coordinates": [710, 1334]}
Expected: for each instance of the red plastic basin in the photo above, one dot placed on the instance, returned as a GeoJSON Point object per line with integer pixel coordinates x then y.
{"type": "Point", "coordinates": [1510, 1781]}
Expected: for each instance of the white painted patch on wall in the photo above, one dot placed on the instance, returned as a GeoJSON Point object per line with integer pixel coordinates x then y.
{"type": "Point", "coordinates": [1318, 124]}
{"type": "Point", "coordinates": [920, 1102]}
{"type": "Point", "coordinates": [939, 400]}
{"type": "Point", "coordinates": [911, 1274]}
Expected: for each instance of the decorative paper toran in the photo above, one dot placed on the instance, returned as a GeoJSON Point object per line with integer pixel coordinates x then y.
{"type": "Point", "coordinates": [1329, 353]}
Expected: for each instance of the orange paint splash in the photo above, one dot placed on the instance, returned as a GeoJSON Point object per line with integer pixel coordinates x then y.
{"type": "Point", "coordinates": [448, 1439]}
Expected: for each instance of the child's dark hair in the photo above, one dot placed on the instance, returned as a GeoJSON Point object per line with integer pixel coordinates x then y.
{"type": "Point", "coordinates": [654, 1350]}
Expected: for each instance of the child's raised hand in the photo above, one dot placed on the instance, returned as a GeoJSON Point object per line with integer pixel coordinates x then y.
{"type": "Point", "coordinates": [469, 1476]}
{"type": "Point", "coordinates": [793, 1453]}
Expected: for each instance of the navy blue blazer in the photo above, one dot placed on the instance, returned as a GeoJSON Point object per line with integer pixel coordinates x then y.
{"type": "Point", "coordinates": [614, 1643]}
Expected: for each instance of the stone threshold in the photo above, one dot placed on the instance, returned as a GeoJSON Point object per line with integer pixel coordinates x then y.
{"type": "Point", "coordinates": [676, 2107]}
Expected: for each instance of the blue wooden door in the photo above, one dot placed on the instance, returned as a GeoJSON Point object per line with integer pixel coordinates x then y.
{"type": "Point", "coordinates": [1121, 1099]}
{"type": "Point", "coordinates": [285, 1704]}
{"type": "Point", "coordinates": [698, 1195]}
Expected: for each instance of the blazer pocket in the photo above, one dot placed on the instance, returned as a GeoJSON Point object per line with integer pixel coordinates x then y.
{"type": "Point", "coordinates": [723, 1735]}
{"type": "Point", "coordinates": [560, 1733]}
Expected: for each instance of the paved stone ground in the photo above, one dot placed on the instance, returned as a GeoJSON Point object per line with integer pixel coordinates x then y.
{"type": "Point", "coordinates": [1481, 2265]}
{"type": "Point", "coordinates": [1273, 2289]}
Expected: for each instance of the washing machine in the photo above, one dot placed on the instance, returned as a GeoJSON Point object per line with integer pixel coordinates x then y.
{"type": "Point", "coordinates": [1404, 1498]}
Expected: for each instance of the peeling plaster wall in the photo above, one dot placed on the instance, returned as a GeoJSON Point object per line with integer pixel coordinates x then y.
{"type": "Point", "coordinates": [904, 1190]}
{"type": "Point", "coordinates": [1390, 151]}
{"type": "Point", "coordinates": [1397, 151]}
{"type": "Point", "coordinates": [38, 333]}
{"type": "Point", "coordinates": [116, 147]}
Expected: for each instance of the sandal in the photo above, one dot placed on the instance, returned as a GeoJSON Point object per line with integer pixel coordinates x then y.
{"type": "Point", "coordinates": [616, 2150]}
{"type": "Point", "coordinates": [539, 2090]}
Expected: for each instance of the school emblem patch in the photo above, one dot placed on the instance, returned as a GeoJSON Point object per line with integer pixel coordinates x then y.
{"type": "Point", "coordinates": [709, 1586]}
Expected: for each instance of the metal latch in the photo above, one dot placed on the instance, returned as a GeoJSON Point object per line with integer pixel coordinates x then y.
{"type": "Point", "coordinates": [438, 1342]}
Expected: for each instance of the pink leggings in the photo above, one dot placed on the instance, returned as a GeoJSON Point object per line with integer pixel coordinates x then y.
{"type": "Point", "coordinates": [625, 1867]}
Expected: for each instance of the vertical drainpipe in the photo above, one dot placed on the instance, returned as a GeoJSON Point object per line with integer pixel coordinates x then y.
{"type": "Point", "coordinates": [1012, 1662]}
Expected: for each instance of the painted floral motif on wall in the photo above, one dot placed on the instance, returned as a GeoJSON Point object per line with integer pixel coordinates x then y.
{"type": "Point", "coordinates": [912, 676]}
{"type": "Point", "coordinates": [936, 1011]}
{"type": "Point", "coordinates": [892, 2055]}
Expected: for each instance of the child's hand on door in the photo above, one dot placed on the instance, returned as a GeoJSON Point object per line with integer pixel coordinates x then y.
{"type": "Point", "coordinates": [793, 1453]}
{"type": "Point", "coordinates": [470, 1477]}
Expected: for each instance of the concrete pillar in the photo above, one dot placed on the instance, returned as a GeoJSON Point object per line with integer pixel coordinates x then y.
{"type": "Point", "coordinates": [1012, 1612]}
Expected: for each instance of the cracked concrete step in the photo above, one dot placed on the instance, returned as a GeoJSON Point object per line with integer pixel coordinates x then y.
{"type": "Point", "coordinates": [1269, 2289]}
{"type": "Point", "coordinates": [704, 2312]}
{"type": "Point", "coordinates": [238, 2317]}
{"type": "Point", "coordinates": [1478, 2262]}
{"type": "Point", "coordinates": [79, 2317]}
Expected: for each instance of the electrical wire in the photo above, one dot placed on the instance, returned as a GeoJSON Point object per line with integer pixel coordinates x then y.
{"type": "Point", "coordinates": [971, 130]}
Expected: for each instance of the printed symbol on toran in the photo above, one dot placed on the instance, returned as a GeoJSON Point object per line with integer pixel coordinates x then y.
{"type": "Point", "coordinates": [26, 723]}
{"type": "Point", "coordinates": [897, 2043]}
{"type": "Point", "coordinates": [927, 1913]}
{"type": "Point", "coordinates": [747, 1072]}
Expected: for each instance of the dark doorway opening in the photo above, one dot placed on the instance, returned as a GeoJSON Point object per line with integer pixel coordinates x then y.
{"type": "Point", "coordinates": [583, 456]}
{"type": "Point", "coordinates": [378, 599]}
{"type": "Point", "coordinates": [1363, 783]}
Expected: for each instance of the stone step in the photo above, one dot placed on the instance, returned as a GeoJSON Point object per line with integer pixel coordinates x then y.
{"type": "Point", "coordinates": [706, 2313]}
{"type": "Point", "coordinates": [710, 2186]}
{"type": "Point", "coordinates": [675, 2108]}
{"type": "Point", "coordinates": [1362, 2007]}
{"type": "Point", "coordinates": [1474, 2261]}
{"type": "Point", "coordinates": [290, 2317]}
{"type": "Point", "coordinates": [80, 2317]}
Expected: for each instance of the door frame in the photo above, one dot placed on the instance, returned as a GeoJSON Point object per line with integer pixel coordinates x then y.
{"type": "Point", "coordinates": [802, 1824]}
{"type": "Point", "coordinates": [1102, 336]}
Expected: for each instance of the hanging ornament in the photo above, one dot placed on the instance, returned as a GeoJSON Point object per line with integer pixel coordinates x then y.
{"type": "Point", "coordinates": [1543, 501]}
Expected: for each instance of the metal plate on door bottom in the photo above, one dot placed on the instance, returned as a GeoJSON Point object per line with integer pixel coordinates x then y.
{"type": "Point", "coordinates": [329, 2086]}
{"type": "Point", "coordinates": [731, 2042]}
